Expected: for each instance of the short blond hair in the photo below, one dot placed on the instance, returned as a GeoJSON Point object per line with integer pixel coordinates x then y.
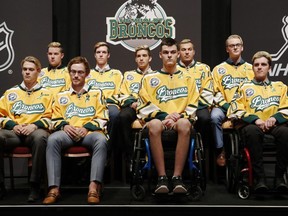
{"type": "Point", "coordinates": [143, 47]}
{"type": "Point", "coordinates": [56, 45]}
{"type": "Point", "coordinates": [234, 36]}
{"type": "Point", "coordinates": [185, 41]}
{"type": "Point", "coordinates": [33, 60]}
{"type": "Point", "coordinates": [99, 44]}
{"type": "Point", "coordinates": [264, 54]}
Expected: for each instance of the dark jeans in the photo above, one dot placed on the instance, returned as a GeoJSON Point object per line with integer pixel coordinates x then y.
{"type": "Point", "coordinates": [122, 137]}
{"type": "Point", "coordinates": [253, 138]}
{"type": "Point", "coordinates": [203, 126]}
{"type": "Point", "coordinates": [113, 113]}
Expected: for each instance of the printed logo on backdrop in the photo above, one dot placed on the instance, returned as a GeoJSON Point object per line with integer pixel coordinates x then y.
{"type": "Point", "coordinates": [280, 68]}
{"type": "Point", "coordinates": [6, 49]}
{"type": "Point", "coordinates": [139, 22]}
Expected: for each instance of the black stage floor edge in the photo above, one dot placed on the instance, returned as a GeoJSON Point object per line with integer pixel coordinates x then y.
{"type": "Point", "coordinates": [142, 210]}
{"type": "Point", "coordinates": [117, 200]}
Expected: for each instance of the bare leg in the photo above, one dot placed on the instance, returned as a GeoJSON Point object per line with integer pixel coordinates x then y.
{"type": "Point", "coordinates": [155, 127]}
{"type": "Point", "coordinates": [183, 128]}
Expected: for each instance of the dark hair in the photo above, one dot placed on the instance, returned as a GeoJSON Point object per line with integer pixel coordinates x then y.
{"type": "Point", "coordinates": [168, 42]}
{"type": "Point", "coordinates": [79, 60]}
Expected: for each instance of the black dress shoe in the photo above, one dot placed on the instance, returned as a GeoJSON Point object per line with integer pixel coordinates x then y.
{"type": "Point", "coordinates": [281, 186]}
{"type": "Point", "coordinates": [261, 187]}
{"type": "Point", "coordinates": [34, 194]}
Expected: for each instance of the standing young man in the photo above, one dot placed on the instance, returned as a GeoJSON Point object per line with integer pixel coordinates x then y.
{"type": "Point", "coordinates": [128, 100]}
{"type": "Point", "coordinates": [168, 101]}
{"type": "Point", "coordinates": [55, 77]}
{"type": "Point", "coordinates": [227, 76]}
{"type": "Point", "coordinates": [202, 75]}
{"type": "Point", "coordinates": [107, 79]}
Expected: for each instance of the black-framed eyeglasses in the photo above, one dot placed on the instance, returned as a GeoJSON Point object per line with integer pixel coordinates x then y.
{"type": "Point", "coordinates": [234, 45]}
{"type": "Point", "coordinates": [80, 72]}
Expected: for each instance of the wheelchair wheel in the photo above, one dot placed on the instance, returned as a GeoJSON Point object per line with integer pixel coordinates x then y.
{"type": "Point", "coordinates": [195, 193]}
{"type": "Point", "coordinates": [232, 166]}
{"type": "Point", "coordinates": [231, 175]}
{"type": "Point", "coordinates": [138, 192]}
{"type": "Point", "coordinates": [244, 191]}
{"type": "Point", "coordinates": [229, 178]}
{"type": "Point", "coordinates": [201, 162]}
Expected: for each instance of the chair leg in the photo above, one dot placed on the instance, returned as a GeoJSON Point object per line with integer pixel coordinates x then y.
{"type": "Point", "coordinates": [112, 166]}
{"type": "Point", "coordinates": [11, 166]}
{"type": "Point", "coordinates": [29, 169]}
{"type": "Point", "coordinates": [124, 167]}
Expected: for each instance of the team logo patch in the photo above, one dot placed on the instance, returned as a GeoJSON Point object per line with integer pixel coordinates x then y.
{"type": "Point", "coordinates": [41, 74]}
{"type": "Point", "coordinates": [7, 52]}
{"type": "Point", "coordinates": [249, 92]}
{"type": "Point", "coordinates": [63, 100]}
{"type": "Point", "coordinates": [154, 82]}
{"type": "Point", "coordinates": [139, 22]}
{"type": "Point", "coordinates": [130, 77]}
{"type": "Point", "coordinates": [12, 97]}
{"type": "Point", "coordinates": [221, 71]}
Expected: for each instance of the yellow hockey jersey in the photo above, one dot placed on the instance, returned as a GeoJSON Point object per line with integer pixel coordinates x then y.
{"type": "Point", "coordinates": [260, 101]}
{"type": "Point", "coordinates": [130, 87]}
{"type": "Point", "coordinates": [19, 106]}
{"type": "Point", "coordinates": [226, 78]}
{"type": "Point", "coordinates": [80, 110]}
{"type": "Point", "coordinates": [202, 75]}
{"type": "Point", "coordinates": [109, 81]}
{"type": "Point", "coordinates": [162, 94]}
{"type": "Point", "coordinates": [55, 79]}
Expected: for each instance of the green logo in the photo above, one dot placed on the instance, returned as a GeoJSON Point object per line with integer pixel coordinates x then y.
{"type": "Point", "coordinates": [164, 94]}
{"type": "Point", "coordinates": [139, 22]}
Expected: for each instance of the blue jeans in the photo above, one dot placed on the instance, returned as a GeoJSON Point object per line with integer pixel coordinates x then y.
{"type": "Point", "coordinates": [217, 117]}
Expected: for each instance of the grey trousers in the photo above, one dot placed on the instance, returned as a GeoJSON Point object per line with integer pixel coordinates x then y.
{"type": "Point", "coordinates": [96, 142]}
{"type": "Point", "coordinates": [36, 141]}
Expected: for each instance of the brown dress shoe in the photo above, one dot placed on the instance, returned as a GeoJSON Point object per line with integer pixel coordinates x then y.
{"type": "Point", "coordinates": [93, 197]}
{"type": "Point", "coordinates": [221, 159]}
{"type": "Point", "coordinates": [51, 197]}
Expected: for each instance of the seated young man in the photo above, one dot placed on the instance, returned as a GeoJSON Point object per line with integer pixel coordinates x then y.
{"type": "Point", "coordinates": [262, 106]}
{"type": "Point", "coordinates": [169, 100]}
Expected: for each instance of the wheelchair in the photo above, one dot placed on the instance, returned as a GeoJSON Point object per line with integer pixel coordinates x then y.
{"type": "Point", "coordinates": [143, 174]}
{"type": "Point", "coordinates": [239, 174]}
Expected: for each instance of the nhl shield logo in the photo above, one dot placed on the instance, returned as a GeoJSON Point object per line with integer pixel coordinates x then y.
{"type": "Point", "coordinates": [6, 50]}
{"type": "Point", "coordinates": [276, 56]}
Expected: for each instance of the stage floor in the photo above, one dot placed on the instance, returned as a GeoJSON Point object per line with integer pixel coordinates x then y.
{"type": "Point", "coordinates": [118, 200]}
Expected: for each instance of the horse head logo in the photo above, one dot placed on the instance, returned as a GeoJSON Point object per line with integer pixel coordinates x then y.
{"type": "Point", "coordinates": [139, 22]}
{"type": "Point", "coordinates": [6, 48]}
